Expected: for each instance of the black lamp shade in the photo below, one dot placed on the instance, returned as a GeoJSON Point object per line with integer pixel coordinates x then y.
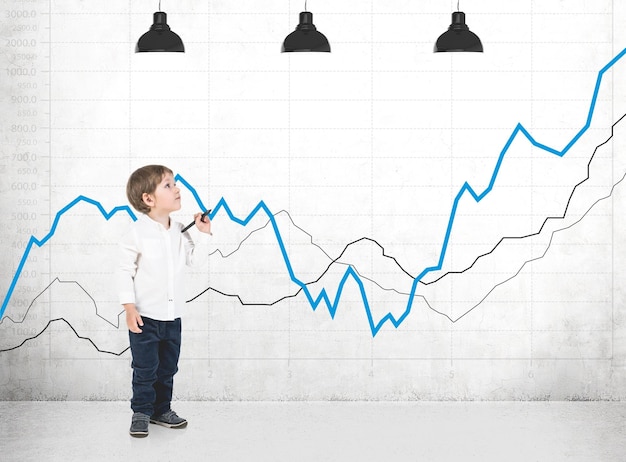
{"type": "Point", "coordinates": [160, 37]}
{"type": "Point", "coordinates": [458, 37]}
{"type": "Point", "coordinates": [306, 37]}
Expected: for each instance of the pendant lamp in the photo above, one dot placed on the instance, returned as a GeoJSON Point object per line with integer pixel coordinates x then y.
{"type": "Point", "coordinates": [306, 37]}
{"type": "Point", "coordinates": [160, 37]}
{"type": "Point", "coordinates": [458, 37]}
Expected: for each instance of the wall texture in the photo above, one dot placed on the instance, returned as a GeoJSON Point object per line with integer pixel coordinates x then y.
{"type": "Point", "coordinates": [389, 223]}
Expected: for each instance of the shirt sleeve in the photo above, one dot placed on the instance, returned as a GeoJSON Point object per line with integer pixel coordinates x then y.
{"type": "Point", "coordinates": [196, 249]}
{"type": "Point", "coordinates": [127, 268]}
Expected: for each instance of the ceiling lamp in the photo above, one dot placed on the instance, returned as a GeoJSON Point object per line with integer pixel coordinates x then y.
{"type": "Point", "coordinates": [160, 37]}
{"type": "Point", "coordinates": [458, 37]}
{"type": "Point", "coordinates": [306, 37]}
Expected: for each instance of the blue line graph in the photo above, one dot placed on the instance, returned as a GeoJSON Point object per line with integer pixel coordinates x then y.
{"type": "Point", "coordinates": [40, 242]}
{"type": "Point", "coordinates": [350, 272]}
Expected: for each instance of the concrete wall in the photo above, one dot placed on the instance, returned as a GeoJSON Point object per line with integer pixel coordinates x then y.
{"type": "Point", "coordinates": [348, 261]}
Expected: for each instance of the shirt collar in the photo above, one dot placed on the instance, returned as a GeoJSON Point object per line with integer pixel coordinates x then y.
{"type": "Point", "coordinates": [145, 218]}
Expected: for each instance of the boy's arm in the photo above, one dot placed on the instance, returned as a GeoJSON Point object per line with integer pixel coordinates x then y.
{"type": "Point", "coordinates": [125, 280]}
{"type": "Point", "coordinates": [197, 249]}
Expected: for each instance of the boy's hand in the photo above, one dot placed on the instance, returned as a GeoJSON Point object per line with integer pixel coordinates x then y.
{"type": "Point", "coordinates": [133, 318]}
{"type": "Point", "coordinates": [203, 226]}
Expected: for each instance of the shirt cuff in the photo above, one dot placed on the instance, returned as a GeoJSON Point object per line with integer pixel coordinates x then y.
{"type": "Point", "coordinates": [126, 297]}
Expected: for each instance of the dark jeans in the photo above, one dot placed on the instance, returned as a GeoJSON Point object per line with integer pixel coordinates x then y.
{"type": "Point", "coordinates": [155, 354]}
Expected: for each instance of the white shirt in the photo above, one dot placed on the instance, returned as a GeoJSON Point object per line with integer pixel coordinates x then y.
{"type": "Point", "coordinates": [151, 267]}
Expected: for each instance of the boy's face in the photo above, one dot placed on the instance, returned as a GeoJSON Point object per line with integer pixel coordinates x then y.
{"type": "Point", "coordinates": [166, 196]}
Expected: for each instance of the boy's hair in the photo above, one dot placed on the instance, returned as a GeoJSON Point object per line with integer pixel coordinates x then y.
{"type": "Point", "coordinates": [144, 180]}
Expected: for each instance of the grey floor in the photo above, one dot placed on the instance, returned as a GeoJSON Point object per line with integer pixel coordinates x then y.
{"type": "Point", "coordinates": [320, 431]}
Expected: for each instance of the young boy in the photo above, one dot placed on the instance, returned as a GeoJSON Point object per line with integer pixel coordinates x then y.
{"type": "Point", "coordinates": [154, 253]}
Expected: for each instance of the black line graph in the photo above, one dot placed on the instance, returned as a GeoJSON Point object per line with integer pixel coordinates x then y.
{"type": "Point", "coordinates": [337, 261]}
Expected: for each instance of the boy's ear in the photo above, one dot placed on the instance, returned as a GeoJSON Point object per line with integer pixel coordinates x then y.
{"type": "Point", "coordinates": [147, 199]}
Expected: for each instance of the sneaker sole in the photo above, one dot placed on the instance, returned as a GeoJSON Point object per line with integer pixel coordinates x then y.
{"type": "Point", "coordinates": [138, 434]}
{"type": "Point", "coordinates": [168, 425]}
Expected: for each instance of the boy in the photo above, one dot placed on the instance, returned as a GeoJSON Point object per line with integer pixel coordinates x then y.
{"type": "Point", "coordinates": [153, 255]}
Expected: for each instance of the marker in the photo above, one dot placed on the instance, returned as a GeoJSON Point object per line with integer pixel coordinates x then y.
{"type": "Point", "coordinates": [194, 222]}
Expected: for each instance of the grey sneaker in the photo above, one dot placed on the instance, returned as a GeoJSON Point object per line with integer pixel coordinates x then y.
{"type": "Point", "coordinates": [139, 425]}
{"type": "Point", "coordinates": [169, 419]}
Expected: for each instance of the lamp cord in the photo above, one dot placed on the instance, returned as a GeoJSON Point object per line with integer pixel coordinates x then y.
{"type": "Point", "coordinates": [159, 5]}
{"type": "Point", "coordinates": [457, 4]}
{"type": "Point", "coordinates": [305, 6]}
